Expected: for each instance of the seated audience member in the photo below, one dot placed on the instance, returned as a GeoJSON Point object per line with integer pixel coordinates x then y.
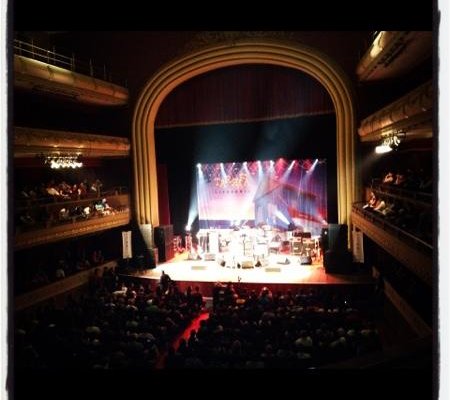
{"type": "Point", "coordinates": [218, 294]}
{"type": "Point", "coordinates": [388, 210]}
{"type": "Point", "coordinates": [103, 208]}
{"type": "Point", "coordinates": [64, 214]}
{"type": "Point", "coordinates": [372, 201]}
{"type": "Point", "coordinates": [265, 296]}
{"type": "Point", "coordinates": [59, 272]}
{"type": "Point", "coordinates": [230, 294]}
{"type": "Point", "coordinates": [97, 257]}
{"type": "Point", "coordinates": [86, 211]}
{"type": "Point", "coordinates": [52, 191]}
{"type": "Point", "coordinates": [96, 187]}
{"type": "Point", "coordinates": [82, 190]}
{"type": "Point", "coordinates": [27, 219]}
{"type": "Point", "coordinates": [197, 298]}
{"type": "Point", "coordinates": [380, 206]}
{"type": "Point", "coordinates": [107, 209]}
{"type": "Point", "coordinates": [389, 178]}
{"type": "Point", "coordinates": [399, 180]}
{"type": "Point", "coordinates": [74, 192]}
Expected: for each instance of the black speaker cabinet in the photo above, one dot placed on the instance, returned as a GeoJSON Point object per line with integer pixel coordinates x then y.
{"type": "Point", "coordinates": [338, 262]}
{"type": "Point", "coordinates": [164, 234]}
{"type": "Point", "coordinates": [324, 239]}
{"type": "Point", "coordinates": [164, 242]}
{"type": "Point", "coordinates": [334, 238]}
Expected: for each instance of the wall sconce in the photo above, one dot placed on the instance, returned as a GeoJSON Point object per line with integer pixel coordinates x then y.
{"type": "Point", "coordinates": [61, 161]}
{"type": "Point", "coordinates": [390, 142]}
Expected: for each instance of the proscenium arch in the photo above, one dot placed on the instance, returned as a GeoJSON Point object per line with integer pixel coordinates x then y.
{"type": "Point", "coordinates": [290, 55]}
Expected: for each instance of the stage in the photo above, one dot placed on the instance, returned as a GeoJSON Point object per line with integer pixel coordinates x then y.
{"type": "Point", "coordinates": [275, 275]}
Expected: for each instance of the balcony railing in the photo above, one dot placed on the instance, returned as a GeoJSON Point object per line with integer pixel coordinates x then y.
{"type": "Point", "coordinates": [51, 57]}
{"type": "Point", "coordinates": [403, 235]}
{"type": "Point", "coordinates": [51, 225]}
{"type": "Point", "coordinates": [411, 251]}
{"type": "Point", "coordinates": [53, 289]}
{"type": "Point", "coordinates": [27, 204]}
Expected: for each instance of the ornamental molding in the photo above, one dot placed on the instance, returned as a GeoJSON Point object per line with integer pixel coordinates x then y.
{"type": "Point", "coordinates": [409, 112]}
{"type": "Point", "coordinates": [31, 141]}
{"type": "Point", "coordinates": [210, 38]}
{"type": "Point", "coordinates": [392, 53]}
{"type": "Point", "coordinates": [61, 232]}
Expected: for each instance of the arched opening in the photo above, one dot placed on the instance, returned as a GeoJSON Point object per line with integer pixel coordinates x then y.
{"type": "Point", "coordinates": [288, 55]}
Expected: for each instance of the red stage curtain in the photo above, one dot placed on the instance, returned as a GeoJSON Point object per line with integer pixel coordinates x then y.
{"type": "Point", "coordinates": [244, 93]}
{"type": "Point", "coordinates": [163, 195]}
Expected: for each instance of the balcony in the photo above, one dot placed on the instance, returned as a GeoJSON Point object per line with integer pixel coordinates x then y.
{"type": "Point", "coordinates": [29, 142]}
{"type": "Point", "coordinates": [56, 288]}
{"type": "Point", "coordinates": [393, 53]}
{"type": "Point", "coordinates": [46, 223]}
{"type": "Point", "coordinates": [48, 72]}
{"type": "Point", "coordinates": [411, 113]}
{"type": "Point", "coordinates": [411, 251]}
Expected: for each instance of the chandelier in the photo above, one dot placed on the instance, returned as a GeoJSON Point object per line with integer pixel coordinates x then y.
{"type": "Point", "coordinates": [61, 161]}
{"type": "Point", "coordinates": [390, 142]}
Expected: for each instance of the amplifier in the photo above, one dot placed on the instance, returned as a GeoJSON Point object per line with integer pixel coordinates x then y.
{"type": "Point", "coordinates": [297, 248]}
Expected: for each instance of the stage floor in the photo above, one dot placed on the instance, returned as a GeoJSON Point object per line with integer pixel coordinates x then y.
{"type": "Point", "coordinates": [182, 270]}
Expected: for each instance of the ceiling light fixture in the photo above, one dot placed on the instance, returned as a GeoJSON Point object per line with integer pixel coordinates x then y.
{"type": "Point", "coordinates": [62, 161]}
{"type": "Point", "coordinates": [390, 142]}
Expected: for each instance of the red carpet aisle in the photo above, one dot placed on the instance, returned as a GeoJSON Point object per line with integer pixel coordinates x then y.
{"type": "Point", "coordinates": [195, 324]}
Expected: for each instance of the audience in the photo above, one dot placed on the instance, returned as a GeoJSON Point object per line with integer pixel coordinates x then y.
{"type": "Point", "coordinates": [48, 270]}
{"type": "Point", "coordinates": [398, 204]}
{"type": "Point", "coordinates": [313, 328]}
{"type": "Point", "coordinates": [116, 325]}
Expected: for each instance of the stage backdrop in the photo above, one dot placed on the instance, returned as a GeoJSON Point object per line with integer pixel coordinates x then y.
{"type": "Point", "coordinates": [281, 193]}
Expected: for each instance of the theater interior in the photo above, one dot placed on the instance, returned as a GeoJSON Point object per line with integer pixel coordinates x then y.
{"type": "Point", "coordinates": [223, 206]}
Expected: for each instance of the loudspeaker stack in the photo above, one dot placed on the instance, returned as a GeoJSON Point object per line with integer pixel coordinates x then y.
{"type": "Point", "coordinates": [337, 257]}
{"type": "Point", "coordinates": [164, 242]}
{"type": "Point", "coordinates": [334, 238]}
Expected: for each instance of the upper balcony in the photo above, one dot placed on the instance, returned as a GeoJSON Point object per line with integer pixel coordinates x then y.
{"type": "Point", "coordinates": [411, 113]}
{"type": "Point", "coordinates": [393, 53]}
{"type": "Point", "coordinates": [51, 73]}
{"type": "Point", "coordinates": [30, 142]}
{"type": "Point", "coordinates": [47, 213]}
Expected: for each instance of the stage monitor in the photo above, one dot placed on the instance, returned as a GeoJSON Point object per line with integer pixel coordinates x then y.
{"type": "Point", "coordinates": [282, 194]}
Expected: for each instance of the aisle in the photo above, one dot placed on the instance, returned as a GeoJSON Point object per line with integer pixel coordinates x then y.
{"type": "Point", "coordinates": [195, 324]}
